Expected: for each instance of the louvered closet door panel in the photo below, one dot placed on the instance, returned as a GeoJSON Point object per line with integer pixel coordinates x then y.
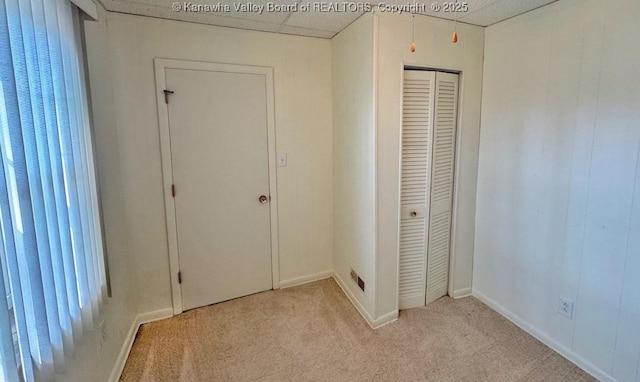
{"type": "Point", "coordinates": [417, 121]}
{"type": "Point", "coordinates": [442, 173]}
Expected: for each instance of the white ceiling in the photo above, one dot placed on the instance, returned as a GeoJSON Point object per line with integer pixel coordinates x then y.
{"type": "Point", "coordinates": [312, 23]}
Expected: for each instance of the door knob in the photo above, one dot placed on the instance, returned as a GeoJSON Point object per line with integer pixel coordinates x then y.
{"type": "Point", "coordinates": [263, 199]}
{"type": "Point", "coordinates": [414, 214]}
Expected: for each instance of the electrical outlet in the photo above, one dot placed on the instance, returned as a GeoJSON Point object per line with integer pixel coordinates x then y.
{"type": "Point", "coordinates": [566, 308]}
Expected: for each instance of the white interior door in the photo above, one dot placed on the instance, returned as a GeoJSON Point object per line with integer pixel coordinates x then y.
{"type": "Point", "coordinates": [220, 168]}
{"type": "Point", "coordinates": [417, 126]}
{"type": "Point", "coordinates": [426, 191]}
{"type": "Point", "coordinates": [441, 195]}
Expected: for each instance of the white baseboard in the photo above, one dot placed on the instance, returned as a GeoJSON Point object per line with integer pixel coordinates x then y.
{"type": "Point", "coordinates": [118, 367]}
{"type": "Point", "coordinates": [374, 323]}
{"type": "Point", "coordinates": [140, 319]}
{"type": "Point", "coordinates": [386, 319]}
{"type": "Point", "coordinates": [359, 307]}
{"type": "Point", "coordinates": [463, 292]}
{"type": "Point", "coordinates": [305, 279]}
{"type": "Point", "coordinates": [145, 318]}
{"type": "Point", "coordinates": [545, 339]}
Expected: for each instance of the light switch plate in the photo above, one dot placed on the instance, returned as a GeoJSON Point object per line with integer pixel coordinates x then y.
{"type": "Point", "coordinates": [282, 160]}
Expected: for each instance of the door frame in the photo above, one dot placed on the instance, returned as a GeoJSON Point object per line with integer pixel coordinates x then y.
{"type": "Point", "coordinates": [456, 174]}
{"type": "Point", "coordinates": [161, 64]}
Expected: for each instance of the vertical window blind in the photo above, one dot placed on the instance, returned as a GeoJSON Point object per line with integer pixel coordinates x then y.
{"type": "Point", "coordinates": [51, 253]}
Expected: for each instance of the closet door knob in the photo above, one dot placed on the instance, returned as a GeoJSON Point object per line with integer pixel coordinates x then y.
{"type": "Point", "coordinates": [263, 199]}
{"type": "Point", "coordinates": [414, 214]}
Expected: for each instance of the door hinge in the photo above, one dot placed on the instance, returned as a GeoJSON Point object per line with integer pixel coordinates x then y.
{"type": "Point", "coordinates": [179, 277]}
{"type": "Point", "coordinates": [173, 190]}
{"type": "Point", "coordinates": [166, 95]}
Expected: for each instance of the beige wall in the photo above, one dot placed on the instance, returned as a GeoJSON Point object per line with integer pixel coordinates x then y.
{"type": "Point", "coordinates": [97, 353]}
{"type": "Point", "coordinates": [558, 186]}
{"type": "Point", "coordinates": [559, 180]}
{"type": "Point", "coordinates": [302, 76]}
{"type": "Point", "coordinates": [353, 158]}
{"type": "Point", "coordinates": [434, 50]}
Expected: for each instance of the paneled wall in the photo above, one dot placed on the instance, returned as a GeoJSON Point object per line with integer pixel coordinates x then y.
{"type": "Point", "coordinates": [558, 204]}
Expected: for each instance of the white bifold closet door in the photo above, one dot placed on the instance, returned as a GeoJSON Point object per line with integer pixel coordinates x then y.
{"type": "Point", "coordinates": [426, 192]}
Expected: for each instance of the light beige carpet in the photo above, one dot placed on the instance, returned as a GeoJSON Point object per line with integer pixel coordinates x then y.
{"type": "Point", "coordinates": [313, 333]}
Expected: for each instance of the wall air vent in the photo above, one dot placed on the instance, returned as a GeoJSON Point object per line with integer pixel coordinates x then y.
{"type": "Point", "coordinates": [356, 279]}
